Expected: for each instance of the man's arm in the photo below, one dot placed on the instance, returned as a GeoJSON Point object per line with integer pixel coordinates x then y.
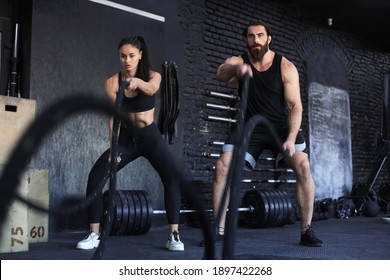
{"type": "Point", "coordinates": [232, 70]}
{"type": "Point", "coordinates": [290, 77]}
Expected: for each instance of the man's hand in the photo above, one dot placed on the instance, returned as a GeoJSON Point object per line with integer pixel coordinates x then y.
{"type": "Point", "coordinates": [290, 146]}
{"type": "Point", "coordinates": [242, 69]}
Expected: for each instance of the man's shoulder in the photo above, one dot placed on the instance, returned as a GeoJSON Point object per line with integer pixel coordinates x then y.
{"type": "Point", "coordinates": [234, 60]}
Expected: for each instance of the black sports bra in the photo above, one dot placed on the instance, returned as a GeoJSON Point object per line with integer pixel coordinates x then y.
{"type": "Point", "coordinates": [139, 103]}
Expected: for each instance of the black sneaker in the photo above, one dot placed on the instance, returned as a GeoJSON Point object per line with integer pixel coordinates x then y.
{"type": "Point", "coordinates": [218, 240]}
{"type": "Point", "coordinates": [309, 239]}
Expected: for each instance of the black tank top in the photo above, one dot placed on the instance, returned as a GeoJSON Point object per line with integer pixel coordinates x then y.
{"type": "Point", "coordinates": [266, 93]}
{"type": "Point", "coordinates": [140, 103]}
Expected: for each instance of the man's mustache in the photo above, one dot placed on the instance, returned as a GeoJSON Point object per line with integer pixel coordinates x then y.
{"type": "Point", "coordinates": [256, 45]}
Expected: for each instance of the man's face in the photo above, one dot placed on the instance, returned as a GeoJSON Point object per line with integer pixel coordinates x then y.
{"type": "Point", "coordinates": [257, 42]}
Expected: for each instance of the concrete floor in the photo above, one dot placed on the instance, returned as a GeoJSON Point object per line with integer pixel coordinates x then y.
{"type": "Point", "coordinates": [356, 238]}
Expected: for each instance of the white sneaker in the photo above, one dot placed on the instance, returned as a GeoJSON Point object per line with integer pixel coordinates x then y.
{"type": "Point", "coordinates": [90, 241]}
{"type": "Point", "coordinates": [174, 243]}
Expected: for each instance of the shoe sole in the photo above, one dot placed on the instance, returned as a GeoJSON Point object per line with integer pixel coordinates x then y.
{"type": "Point", "coordinates": [176, 249]}
{"type": "Point", "coordinates": [87, 248]}
{"type": "Point", "coordinates": [173, 249]}
{"type": "Point", "coordinates": [310, 245]}
{"type": "Point", "coordinates": [81, 248]}
{"type": "Point", "coordinates": [217, 243]}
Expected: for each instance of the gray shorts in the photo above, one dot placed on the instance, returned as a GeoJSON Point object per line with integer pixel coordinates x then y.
{"type": "Point", "coordinates": [260, 141]}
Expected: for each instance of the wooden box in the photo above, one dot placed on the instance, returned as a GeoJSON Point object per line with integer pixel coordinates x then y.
{"type": "Point", "coordinates": [15, 116]}
{"type": "Point", "coordinates": [14, 231]}
{"type": "Point", "coordinates": [25, 224]}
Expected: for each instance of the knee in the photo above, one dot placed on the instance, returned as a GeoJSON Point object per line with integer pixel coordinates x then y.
{"type": "Point", "coordinates": [221, 168]}
{"type": "Point", "coordinates": [303, 170]}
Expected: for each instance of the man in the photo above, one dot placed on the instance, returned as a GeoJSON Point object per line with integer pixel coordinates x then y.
{"type": "Point", "coordinates": [274, 93]}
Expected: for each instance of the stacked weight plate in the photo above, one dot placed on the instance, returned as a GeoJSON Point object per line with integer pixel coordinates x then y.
{"type": "Point", "coordinates": [133, 212]}
{"type": "Point", "coordinates": [272, 208]}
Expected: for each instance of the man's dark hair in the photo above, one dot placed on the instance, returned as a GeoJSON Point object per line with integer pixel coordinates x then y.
{"type": "Point", "coordinates": [255, 23]}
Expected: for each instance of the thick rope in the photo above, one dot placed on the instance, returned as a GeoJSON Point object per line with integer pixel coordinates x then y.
{"type": "Point", "coordinates": [42, 126]}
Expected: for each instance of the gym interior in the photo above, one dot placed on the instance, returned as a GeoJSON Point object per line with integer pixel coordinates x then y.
{"type": "Point", "coordinates": [56, 51]}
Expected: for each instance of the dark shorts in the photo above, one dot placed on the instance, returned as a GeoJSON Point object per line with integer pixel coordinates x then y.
{"type": "Point", "coordinates": [262, 140]}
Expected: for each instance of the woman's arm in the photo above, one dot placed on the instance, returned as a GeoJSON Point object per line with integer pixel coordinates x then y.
{"type": "Point", "coordinates": [150, 87]}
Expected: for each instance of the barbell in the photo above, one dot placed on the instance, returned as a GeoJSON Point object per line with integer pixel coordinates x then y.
{"type": "Point", "coordinates": [133, 210]}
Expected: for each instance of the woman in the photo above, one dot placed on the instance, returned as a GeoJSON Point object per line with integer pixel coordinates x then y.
{"type": "Point", "coordinates": [141, 139]}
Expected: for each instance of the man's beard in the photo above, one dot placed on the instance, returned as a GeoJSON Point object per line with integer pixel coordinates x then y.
{"type": "Point", "coordinates": [256, 53]}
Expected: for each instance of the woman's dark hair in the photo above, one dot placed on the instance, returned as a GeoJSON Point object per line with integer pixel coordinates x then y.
{"type": "Point", "coordinates": [255, 23]}
{"type": "Point", "coordinates": [144, 66]}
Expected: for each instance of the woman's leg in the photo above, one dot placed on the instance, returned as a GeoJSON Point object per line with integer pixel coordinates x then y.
{"type": "Point", "coordinates": [97, 179]}
{"type": "Point", "coordinates": [159, 155]}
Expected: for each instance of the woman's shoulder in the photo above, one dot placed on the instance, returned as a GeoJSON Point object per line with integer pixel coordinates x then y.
{"type": "Point", "coordinates": [112, 82]}
{"type": "Point", "coordinates": [154, 74]}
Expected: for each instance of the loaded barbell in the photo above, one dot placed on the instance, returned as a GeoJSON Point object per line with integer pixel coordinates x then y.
{"type": "Point", "coordinates": [133, 210]}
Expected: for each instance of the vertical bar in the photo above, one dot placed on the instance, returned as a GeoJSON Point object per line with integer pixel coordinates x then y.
{"type": "Point", "coordinates": [386, 109]}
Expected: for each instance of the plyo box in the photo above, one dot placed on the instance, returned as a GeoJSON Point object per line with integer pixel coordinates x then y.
{"type": "Point", "coordinates": [38, 221]}
{"type": "Point", "coordinates": [16, 114]}
{"type": "Point", "coordinates": [14, 230]}
{"type": "Point", "coordinates": [25, 224]}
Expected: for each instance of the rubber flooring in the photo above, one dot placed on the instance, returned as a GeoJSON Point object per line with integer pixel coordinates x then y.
{"type": "Point", "coordinates": [356, 238]}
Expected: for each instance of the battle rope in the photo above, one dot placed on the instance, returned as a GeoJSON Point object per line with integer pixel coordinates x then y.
{"type": "Point", "coordinates": [45, 123]}
{"type": "Point", "coordinates": [233, 182]}
{"type": "Point", "coordinates": [32, 138]}
{"type": "Point", "coordinates": [240, 128]}
{"type": "Point", "coordinates": [109, 217]}
{"type": "Point", "coordinates": [169, 108]}
{"type": "Point", "coordinates": [235, 185]}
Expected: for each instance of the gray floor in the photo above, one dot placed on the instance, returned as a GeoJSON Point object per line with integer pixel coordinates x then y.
{"type": "Point", "coordinates": [357, 238]}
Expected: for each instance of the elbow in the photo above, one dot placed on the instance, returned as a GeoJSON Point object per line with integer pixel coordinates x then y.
{"type": "Point", "coordinates": [155, 90]}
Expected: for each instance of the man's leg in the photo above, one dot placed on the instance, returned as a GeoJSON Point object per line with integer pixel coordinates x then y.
{"type": "Point", "coordinates": [221, 172]}
{"type": "Point", "coordinates": [305, 191]}
{"type": "Point", "coordinates": [222, 166]}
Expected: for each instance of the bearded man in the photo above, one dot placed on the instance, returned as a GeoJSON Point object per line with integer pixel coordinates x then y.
{"type": "Point", "coordinates": [274, 93]}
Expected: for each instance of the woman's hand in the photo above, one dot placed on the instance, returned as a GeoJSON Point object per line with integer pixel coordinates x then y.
{"type": "Point", "coordinates": [118, 158]}
{"type": "Point", "coordinates": [133, 83]}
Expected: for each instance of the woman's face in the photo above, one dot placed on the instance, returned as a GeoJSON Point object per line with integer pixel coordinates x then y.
{"type": "Point", "coordinates": [130, 57]}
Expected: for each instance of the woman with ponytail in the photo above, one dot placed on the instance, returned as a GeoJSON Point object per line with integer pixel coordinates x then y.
{"type": "Point", "coordinates": [141, 139]}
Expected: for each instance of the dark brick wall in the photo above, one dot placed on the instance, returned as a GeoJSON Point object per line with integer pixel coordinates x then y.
{"type": "Point", "coordinates": [212, 33]}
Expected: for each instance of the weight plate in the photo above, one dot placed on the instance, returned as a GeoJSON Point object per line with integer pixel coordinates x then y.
{"type": "Point", "coordinates": [253, 219]}
{"type": "Point", "coordinates": [138, 213]}
{"type": "Point", "coordinates": [144, 210]}
{"type": "Point", "coordinates": [289, 207]}
{"type": "Point", "coordinates": [131, 216]}
{"type": "Point", "coordinates": [246, 201]}
{"type": "Point", "coordinates": [284, 204]}
{"type": "Point", "coordinates": [106, 195]}
{"type": "Point", "coordinates": [287, 214]}
{"type": "Point", "coordinates": [273, 222]}
{"type": "Point", "coordinates": [271, 204]}
{"type": "Point", "coordinates": [149, 212]}
{"type": "Point", "coordinates": [118, 214]}
{"type": "Point", "coordinates": [125, 213]}
{"type": "Point", "coordinates": [266, 208]}
{"type": "Point", "coordinates": [278, 220]}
